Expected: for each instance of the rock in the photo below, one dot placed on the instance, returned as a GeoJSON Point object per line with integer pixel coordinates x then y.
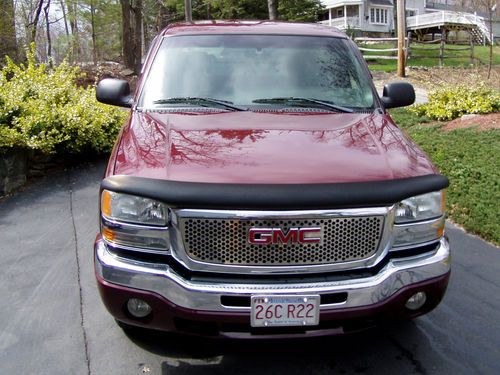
{"type": "Point", "coordinates": [36, 173]}
{"type": "Point", "coordinates": [468, 117]}
{"type": "Point", "coordinates": [13, 169]}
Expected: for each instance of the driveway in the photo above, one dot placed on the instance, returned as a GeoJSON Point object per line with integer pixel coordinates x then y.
{"type": "Point", "coordinates": [53, 322]}
{"type": "Point", "coordinates": [381, 78]}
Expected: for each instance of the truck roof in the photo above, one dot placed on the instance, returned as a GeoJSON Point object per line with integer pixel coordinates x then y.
{"type": "Point", "coordinates": [251, 27]}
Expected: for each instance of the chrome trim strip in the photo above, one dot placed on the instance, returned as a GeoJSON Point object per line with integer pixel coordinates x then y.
{"type": "Point", "coordinates": [298, 214]}
{"type": "Point", "coordinates": [422, 231]}
{"type": "Point", "coordinates": [161, 279]}
{"type": "Point", "coordinates": [137, 230]}
{"type": "Point", "coordinates": [414, 246]}
{"type": "Point", "coordinates": [179, 253]}
{"type": "Point", "coordinates": [110, 223]}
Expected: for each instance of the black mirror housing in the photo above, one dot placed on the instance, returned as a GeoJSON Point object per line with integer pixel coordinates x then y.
{"type": "Point", "coordinates": [115, 92]}
{"type": "Point", "coordinates": [398, 94]}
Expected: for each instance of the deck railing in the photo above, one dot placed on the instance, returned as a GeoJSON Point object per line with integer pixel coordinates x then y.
{"type": "Point", "coordinates": [343, 22]}
{"type": "Point", "coordinates": [447, 17]}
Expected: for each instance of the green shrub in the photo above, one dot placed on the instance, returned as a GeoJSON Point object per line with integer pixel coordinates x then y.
{"type": "Point", "coordinates": [450, 102]}
{"type": "Point", "coordinates": [469, 158]}
{"type": "Point", "coordinates": [42, 109]}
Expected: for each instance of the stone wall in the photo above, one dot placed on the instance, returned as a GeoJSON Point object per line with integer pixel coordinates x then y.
{"type": "Point", "coordinates": [13, 170]}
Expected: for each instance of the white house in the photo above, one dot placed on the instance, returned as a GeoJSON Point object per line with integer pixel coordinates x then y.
{"type": "Point", "coordinates": [366, 15]}
{"type": "Point", "coordinates": [377, 16]}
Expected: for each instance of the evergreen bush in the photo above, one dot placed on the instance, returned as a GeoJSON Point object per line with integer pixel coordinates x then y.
{"type": "Point", "coordinates": [42, 109]}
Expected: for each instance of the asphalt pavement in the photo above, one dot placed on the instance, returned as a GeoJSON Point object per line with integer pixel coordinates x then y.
{"type": "Point", "coordinates": [53, 322]}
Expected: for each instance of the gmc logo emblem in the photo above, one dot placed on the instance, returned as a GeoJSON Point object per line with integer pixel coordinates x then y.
{"type": "Point", "coordinates": [268, 236]}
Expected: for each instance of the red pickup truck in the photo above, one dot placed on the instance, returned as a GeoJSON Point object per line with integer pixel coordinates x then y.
{"type": "Point", "coordinates": [260, 189]}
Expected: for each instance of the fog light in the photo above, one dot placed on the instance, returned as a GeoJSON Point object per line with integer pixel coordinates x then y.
{"type": "Point", "coordinates": [416, 301]}
{"type": "Point", "coordinates": [138, 308]}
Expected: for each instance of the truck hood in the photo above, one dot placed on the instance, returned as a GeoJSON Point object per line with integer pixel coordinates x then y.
{"type": "Point", "coordinates": [267, 148]}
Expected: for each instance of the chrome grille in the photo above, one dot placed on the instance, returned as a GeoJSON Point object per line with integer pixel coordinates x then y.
{"type": "Point", "coordinates": [225, 241]}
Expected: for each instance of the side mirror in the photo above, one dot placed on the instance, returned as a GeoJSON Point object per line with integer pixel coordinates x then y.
{"type": "Point", "coordinates": [398, 94]}
{"type": "Point", "coordinates": [115, 92]}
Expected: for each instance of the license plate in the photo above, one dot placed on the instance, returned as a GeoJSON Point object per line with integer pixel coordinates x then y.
{"type": "Point", "coordinates": [272, 311]}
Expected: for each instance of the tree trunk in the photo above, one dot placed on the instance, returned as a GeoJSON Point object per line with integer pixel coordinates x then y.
{"type": "Point", "coordinates": [94, 39]}
{"type": "Point", "coordinates": [163, 17]}
{"type": "Point", "coordinates": [47, 29]}
{"type": "Point", "coordinates": [272, 5]}
{"type": "Point", "coordinates": [127, 42]}
{"type": "Point", "coordinates": [73, 23]}
{"type": "Point", "coordinates": [138, 36]}
{"type": "Point", "coordinates": [65, 19]}
{"type": "Point", "coordinates": [34, 24]}
{"type": "Point", "coordinates": [8, 46]}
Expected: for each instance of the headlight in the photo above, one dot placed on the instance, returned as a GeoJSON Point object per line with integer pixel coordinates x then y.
{"type": "Point", "coordinates": [134, 223]}
{"type": "Point", "coordinates": [131, 209]}
{"type": "Point", "coordinates": [420, 207]}
{"type": "Point", "coordinates": [419, 219]}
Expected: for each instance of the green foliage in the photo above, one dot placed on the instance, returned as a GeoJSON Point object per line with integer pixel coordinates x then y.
{"type": "Point", "coordinates": [299, 10]}
{"type": "Point", "coordinates": [234, 9]}
{"type": "Point", "coordinates": [450, 102]}
{"type": "Point", "coordinates": [42, 109]}
{"type": "Point", "coordinates": [469, 158]}
{"type": "Point", "coordinates": [289, 10]}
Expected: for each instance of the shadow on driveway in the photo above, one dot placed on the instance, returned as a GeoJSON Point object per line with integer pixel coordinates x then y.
{"type": "Point", "coordinates": [373, 351]}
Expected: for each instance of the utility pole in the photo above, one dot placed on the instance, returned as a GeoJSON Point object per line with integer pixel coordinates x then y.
{"type": "Point", "coordinates": [189, 10]}
{"type": "Point", "coordinates": [401, 20]}
{"type": "Point", "coordinates": [272, 5]}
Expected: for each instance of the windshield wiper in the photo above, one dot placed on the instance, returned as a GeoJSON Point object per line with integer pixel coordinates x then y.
{"type": "Point", "coordinates": [295, 100]}
{"type": "Point", "coordinates": [199, 101]}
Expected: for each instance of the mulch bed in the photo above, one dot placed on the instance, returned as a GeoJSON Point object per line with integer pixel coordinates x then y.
{"type": "Point", "coordinates": [480, 122]}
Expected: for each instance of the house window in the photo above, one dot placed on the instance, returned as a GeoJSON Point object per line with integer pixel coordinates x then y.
{"type": "Point", "coordinates": [411, 12]}
{"type": "Point", "coordinates": [340, 12]}
{"type": "Point", "coordinates": [379, 15]}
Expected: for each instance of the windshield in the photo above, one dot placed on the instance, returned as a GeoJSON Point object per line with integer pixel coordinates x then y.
{"type": "Point", "coordinates": [246, 70]}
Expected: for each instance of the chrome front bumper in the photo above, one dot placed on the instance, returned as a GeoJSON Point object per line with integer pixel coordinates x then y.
{"type": "Point", "coordinates": [164, 281]}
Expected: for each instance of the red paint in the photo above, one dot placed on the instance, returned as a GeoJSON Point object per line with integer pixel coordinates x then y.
{"type": "Point", "coordinates": [249, 147]}
{"type": "Point", "coordinates": [251, 27]}
{"type": "Point", "coordinates": [166, 314]}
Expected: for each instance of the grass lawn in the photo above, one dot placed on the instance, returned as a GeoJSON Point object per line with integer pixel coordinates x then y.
{"type": "Point", "coordinates": [430, 56]}
{"type": "Point", "coordinates": [471, 160]}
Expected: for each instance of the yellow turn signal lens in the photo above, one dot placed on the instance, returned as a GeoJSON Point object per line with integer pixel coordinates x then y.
{"type": "Point", "coordinates": [106, 203]}
{"type": "Point", "coordinates": [108, 234]}
{"type": "Point", "coordinates": [440, 230]}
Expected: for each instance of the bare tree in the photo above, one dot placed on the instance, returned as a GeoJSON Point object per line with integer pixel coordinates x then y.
{"type": "Point", "coordinates": [138, 36]}
{"type": "Point", "coordinates": [132, 27]}
{"type": "Point", "coordinates": [73, 23]}
{"type": "Point", "coordinates": [46, 10]}
{"type": "Point", "coordinates": [490, 8]}
{"type": "Point", "coordinates": [93, 27]}
{"type": "Point", "coordinates": [36, 18]}
{"type": "Point", "coordinates": [127, 42]}
{"type": "Point", "coordinates": [164, 15]}
{"type": "Point", "coordinates": [65, 19]}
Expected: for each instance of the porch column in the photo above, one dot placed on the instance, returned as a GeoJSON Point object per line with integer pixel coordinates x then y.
{"type": "Point", "coordinates": [330, 17]}
{"type": "Point", "coordinates": [360, 15]}
{"type": "Point", "coordinates": [345, 16]}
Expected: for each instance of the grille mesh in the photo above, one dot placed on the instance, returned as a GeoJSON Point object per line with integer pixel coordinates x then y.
{"type": "Point", "coordinates": [225, 241]}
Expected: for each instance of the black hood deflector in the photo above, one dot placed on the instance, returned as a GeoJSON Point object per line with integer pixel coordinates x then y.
{"type": "Point", "coordinates": [275, 196]}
